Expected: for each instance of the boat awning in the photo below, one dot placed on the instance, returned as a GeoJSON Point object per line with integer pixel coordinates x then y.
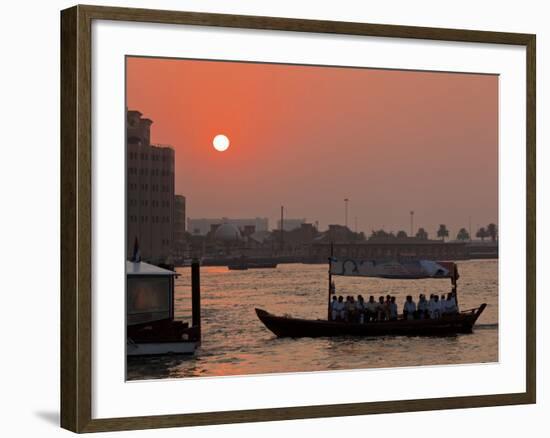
{"type": "Point", "coordinates": [142, 268]}
{"type": "Point", "coordinates": [393, 269]}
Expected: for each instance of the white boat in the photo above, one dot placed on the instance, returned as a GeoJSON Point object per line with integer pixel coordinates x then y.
{"type": "Point", "coordinates": [150, 325]}
{"type": "Point", "coordinates": [160, 348]}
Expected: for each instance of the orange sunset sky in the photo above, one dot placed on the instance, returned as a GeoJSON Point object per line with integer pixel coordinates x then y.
{"type": "Point", "coordinates": [307, 137]}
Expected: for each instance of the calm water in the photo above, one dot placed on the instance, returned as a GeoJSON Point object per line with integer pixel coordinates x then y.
{"type": "Point", "coordinates": [235, 342]}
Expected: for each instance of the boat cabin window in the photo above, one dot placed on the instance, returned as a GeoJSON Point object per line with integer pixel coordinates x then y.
{"type": "Point", "coordinates": [148, 299]}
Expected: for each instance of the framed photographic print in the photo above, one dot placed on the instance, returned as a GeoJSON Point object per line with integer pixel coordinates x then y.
{"type": "Point", "coordinates": [270, 218]}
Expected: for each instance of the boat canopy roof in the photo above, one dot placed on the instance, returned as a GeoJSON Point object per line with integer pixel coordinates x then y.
{"type": "Point", "coordinates": [396, 269]}
{"type": "Point", "coordinates": [142, 268]}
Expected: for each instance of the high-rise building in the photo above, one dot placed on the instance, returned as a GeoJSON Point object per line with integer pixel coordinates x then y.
{"type": "Point", "coordinates": [150, 192]}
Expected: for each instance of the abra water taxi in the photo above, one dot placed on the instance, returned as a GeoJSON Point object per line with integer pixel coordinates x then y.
{"type": "Point", "coordinates": [461, 322]}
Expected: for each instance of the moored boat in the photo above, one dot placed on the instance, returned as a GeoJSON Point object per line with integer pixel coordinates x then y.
{"type": "Point", "coordinates": [151, 328]}
{"type": "Point", "coordinates": [243, 265]}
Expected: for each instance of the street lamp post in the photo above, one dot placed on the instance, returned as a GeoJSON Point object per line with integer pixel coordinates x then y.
{"type": "Point", "coordinates": [346, 200]}
{"type": "Point", "coordinates": [282, 228]}
{"type": "Point", "coordinates": [412, 223]}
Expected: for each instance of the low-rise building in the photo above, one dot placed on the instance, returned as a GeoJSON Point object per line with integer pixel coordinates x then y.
{"type": "Point", "coordinates": [202, 226]}
{"type": "Point", "coordinates": [290, 224]}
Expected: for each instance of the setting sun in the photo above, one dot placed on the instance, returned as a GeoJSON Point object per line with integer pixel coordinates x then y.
{"type": "Point", "coordinates": [220, 142]}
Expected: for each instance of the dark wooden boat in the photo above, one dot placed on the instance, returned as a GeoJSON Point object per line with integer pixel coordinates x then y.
{"type": "Point", "coordinates": [243, 266]}
{"type": "Point", "coordinates": [405, 269]}
{"type": "Point", "coordinates": [288, 327]}
{"type": "Point", "coordinates": [238, 267]}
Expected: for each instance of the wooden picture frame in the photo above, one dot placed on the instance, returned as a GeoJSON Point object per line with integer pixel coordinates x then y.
{"type": "Point", "coordinates": [76, 173]}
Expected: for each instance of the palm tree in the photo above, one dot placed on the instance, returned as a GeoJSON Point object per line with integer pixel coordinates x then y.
{"type": "Point", "coordinates": [463, 234]}
{"type": "Point", "coordinates": [381, 234]}
{"type": "Point", "coordinates": [482, 233]}
{"type": "Point", "coordinates": [443, 232]}
{"type": "Point", "coordinates": [422, 234]}
{"type": "Point", "coordinates": [492, 231]}
{"type": "Point", "coordinates": [401, 235]}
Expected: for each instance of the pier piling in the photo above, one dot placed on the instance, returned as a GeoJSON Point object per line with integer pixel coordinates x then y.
{"type": "Point", "coordinates": [196, 295]}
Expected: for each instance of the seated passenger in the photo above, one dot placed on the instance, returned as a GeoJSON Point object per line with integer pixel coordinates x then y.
{"type": "Point", "coordinates": [334, 308]}
{"type": "Point", "coordinates": [435, 310]}
{"type": "Point", "coordinates": [371, 309]}
{"type": "Point", "coordinates": [409, 308]}
{"type": "Point", "coordinates": [341, 308]}
{"type": "Point", "coordinates": [442, 304]}
{"type": "Point", "coordinates": [453, 294]}
{"type": "Point", "coordinates": [346, 303]}
{"type": "Point", "coordinates": [387, 305]}
{"type": "Point", "coordinates": [381, 311]}
{"type": "Point", "coordinates": [350, 309]}
{"type": "Point", "coordinates": [450, 304]}
{"type": "Point", "coordinates": [360, 309]}
{"type": "Point", "coordinates": [393, 309]}
{"type": "Point", "coordinates": [422, 307]}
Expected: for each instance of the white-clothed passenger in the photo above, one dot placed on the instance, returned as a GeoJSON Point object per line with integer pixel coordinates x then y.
{"type": "Point", "coordinates": [433, 307]}
{"type": "Point", "coordinates": [341, 309]}
{"type": "Point", "coordinates": [372, 307]}
{"type": "Point", "coordinates": [360, 309]}
{"type": "Point", "coordinates": [422, 307]}
{"type": "Point", "coordinates": [450, 306]}
{"type": "Point", "coordinates": [442, 306]}
{"type": "Point", "coordinates": [334, 309]}
{"type": "Point", "coordinates": [409, 308]}
{"type": "Point", "coordinates": [393, 310]}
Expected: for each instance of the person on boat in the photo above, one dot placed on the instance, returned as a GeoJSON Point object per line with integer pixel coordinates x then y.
{"type": "Point", "coordinates": [382, 310]}
{"type": "Point", "coordinates": [422, 307]}
{"type": "Point", "coordinates": [340, 308]}
{"type": "Point", "coordinates": [393, 309]}
{"type": "Point", "coordinates": [387, 304]}
{"type": "Point", "coordinates": [345, 309]}
{"type": "Point", "coordinates": [453, 294]}
{"type": "Point", "coordinates": [450, 304]}
{"type": "Point", "coordinates": [360, 309]}
{"type": "Point", "coordinates": [350, 309]}
{"type": "Point", "coordinates": [431, 306]}
{"type": "Point", "coordinates": [371, 309]}
{"type": "Point", "coordinates": [334, 308]}
{"type": "Point", "coordinates": [409, 308]}
{"type": "Point", "coordinates": [442, 304]}
{"type": "Point", "coordinates": [435, 309]}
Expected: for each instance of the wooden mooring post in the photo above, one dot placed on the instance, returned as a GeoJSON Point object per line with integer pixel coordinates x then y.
{"type": "Point", "coordinates": [196, 296]}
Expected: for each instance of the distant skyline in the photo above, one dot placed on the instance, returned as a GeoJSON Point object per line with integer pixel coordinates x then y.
{"type": "Point", "coordinates": [308, 137]}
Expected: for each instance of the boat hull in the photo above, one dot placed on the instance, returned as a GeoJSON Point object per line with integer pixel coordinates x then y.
{"type": "Point", "coordinates": [297, 328]}
{"type": "Point", "coordinates": [160, 348]}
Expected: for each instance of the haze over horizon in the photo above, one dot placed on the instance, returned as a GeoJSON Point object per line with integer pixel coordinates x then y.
{"type": "Point", "coordinates": [307, 137]}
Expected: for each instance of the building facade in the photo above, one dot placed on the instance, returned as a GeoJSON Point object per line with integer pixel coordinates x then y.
{"type": "Point", "coordinates": [382, 250]}
{"type": "Point", "coordinates": [150, 192]}
{"type": "Point", "coordinates": [203, 226]}
{"type": "Point", "coordinates": [290, 224]}
{"type": "Point", "coordinates": [179, 246]}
